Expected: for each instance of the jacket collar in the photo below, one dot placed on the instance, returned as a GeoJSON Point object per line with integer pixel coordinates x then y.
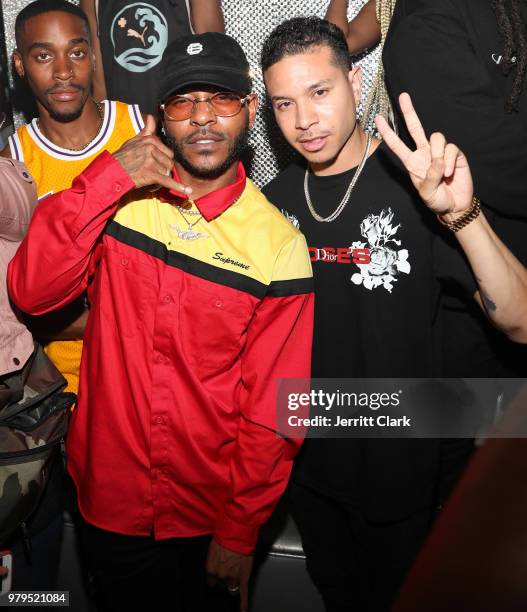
{"type": "Point", "coordinates": [216, 202]}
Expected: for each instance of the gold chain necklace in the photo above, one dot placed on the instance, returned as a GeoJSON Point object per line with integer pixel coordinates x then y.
{"type": "Point", "coordinates": [100, 112]}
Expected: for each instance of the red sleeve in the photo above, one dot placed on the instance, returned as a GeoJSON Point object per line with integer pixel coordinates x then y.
{"type": "Point", "coordinates": [278, 346]}
{"type": "Point", "coordinates": [52, 266]}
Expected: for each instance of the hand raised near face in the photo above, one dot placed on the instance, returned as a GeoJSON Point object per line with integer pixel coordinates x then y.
{"type": "Point", "coordinates": [148, 161]}
{"type": "Point", "coordinates": [439, 170]}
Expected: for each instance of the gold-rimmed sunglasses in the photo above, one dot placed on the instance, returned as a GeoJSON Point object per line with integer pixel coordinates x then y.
{"type": "Point", "coordinates": [224, 104]}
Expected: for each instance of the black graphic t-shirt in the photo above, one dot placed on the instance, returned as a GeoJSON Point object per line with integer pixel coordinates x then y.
{"type": "Point", "coordinates": [133, 37]}
{"type": "Point", "coordinates": [377, 269]}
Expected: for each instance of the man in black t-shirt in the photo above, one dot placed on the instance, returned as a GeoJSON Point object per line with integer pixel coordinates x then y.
{"type": "Point", "coordinates": [464, 64]}
{"type": "Point", "coordinates": [363, 507]}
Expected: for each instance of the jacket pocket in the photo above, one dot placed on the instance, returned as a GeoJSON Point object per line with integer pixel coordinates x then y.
{"type": "Point", "coordinates": [212, 327]}
{"type": "Point", "coordinates": [125, 285]}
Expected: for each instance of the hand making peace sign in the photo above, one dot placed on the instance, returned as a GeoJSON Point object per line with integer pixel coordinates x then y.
{"type": "Point", "coordinates": [439, 171]}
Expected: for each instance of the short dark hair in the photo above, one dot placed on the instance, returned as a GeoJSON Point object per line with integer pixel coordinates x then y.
{"type": "Point", "coordinates": [299, 35]}
{"type": "Point", "coordinates": [39, 7]}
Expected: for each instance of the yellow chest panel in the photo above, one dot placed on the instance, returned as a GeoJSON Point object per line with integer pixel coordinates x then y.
{"type": "Point", "coordinates": [54, 168]}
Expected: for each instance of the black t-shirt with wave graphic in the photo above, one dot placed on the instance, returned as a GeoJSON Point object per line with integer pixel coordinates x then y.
{"type": "Point", "coordinates": [133, 37]}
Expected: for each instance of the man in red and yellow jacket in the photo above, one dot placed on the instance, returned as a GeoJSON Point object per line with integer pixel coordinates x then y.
{"type": "Point", "coordinates": [201, 298]}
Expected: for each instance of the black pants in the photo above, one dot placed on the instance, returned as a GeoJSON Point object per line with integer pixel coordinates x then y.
{"type": "Point", "coordinates": [357, 566]}
{"type": "Point", "coordinates": [136, 572]}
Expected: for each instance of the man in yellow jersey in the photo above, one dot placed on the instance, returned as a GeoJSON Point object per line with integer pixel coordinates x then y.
{"type": "Point", "coordinates": [54, 53]}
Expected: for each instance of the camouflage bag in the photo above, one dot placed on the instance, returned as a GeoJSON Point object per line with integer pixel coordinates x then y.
{"type": "Point", "coordinates": [34, 416]}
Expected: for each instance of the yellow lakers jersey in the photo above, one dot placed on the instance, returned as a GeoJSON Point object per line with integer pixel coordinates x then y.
{"type": "Point", "coordinates": [54, 169]}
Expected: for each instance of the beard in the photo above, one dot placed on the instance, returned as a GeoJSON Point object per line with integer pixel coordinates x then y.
{"type": "Point", "coordinates": [236, 149]}
{"type": "Point", "coordinates": [66, 117]}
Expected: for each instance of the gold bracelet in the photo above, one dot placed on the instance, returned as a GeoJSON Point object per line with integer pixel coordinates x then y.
{"type": "Point", "coordinates": [471, 214]}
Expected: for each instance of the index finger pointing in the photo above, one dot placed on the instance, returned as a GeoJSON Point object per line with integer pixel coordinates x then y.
{"type": "Point", "coordinates": [391, 139]}
{"type": "Point", "coordinates": [412, 120]}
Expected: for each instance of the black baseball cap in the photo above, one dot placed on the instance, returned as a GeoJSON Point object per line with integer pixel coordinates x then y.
{"type": "Point", "coordinates": [211, 58]}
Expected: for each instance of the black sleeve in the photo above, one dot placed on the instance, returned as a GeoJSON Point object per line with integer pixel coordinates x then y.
{"type": "Point", "coordinates": [450, 263]}
{"type": "Point", "coordinates": [429, 54]}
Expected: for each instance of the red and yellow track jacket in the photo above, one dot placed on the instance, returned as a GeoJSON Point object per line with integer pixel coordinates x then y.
{"type": "Point", "coordinates": [175, 428]}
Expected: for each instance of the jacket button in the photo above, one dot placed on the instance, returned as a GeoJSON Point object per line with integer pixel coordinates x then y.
{"type": "Point", "coordinates": [124, 261]}
{"type": "Point", "coordinates": [159, 420]}
{"type": "Point", "coordinates": [160, 359]}
{"type": "Point", "coordinates": [16, 360]}
{"type": "Point", "coordinates": [117, 187]}
{"type": "Point", "coordinates": [167, 299]}
{"type": "Point", "coordinates": [218, 304]}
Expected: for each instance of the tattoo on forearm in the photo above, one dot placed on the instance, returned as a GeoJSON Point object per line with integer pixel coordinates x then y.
{"type": "Point", "coordinates": [489, 304]}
